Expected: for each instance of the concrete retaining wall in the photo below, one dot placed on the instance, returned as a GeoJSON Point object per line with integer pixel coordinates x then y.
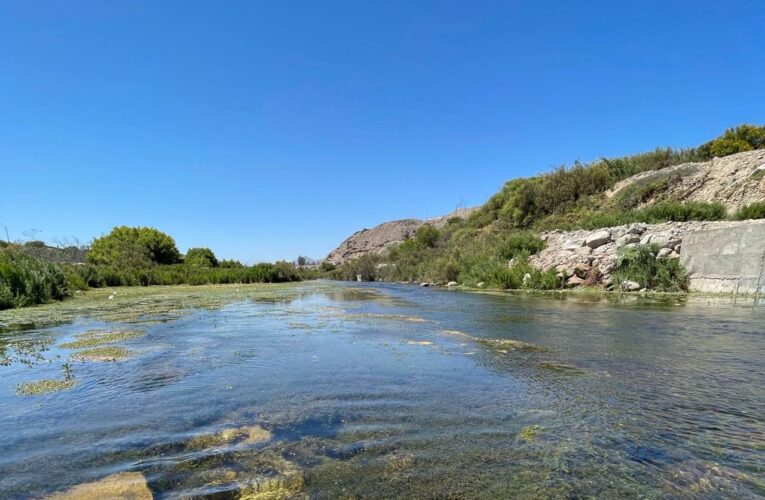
{"type": "Point", "coordinates": [726, 260]}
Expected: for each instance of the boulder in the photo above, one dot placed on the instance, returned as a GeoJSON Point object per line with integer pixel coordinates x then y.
{"type": "Point", "coordinates": [581, 270]}
{"type": "Point", "coordinates": [598, 239]}
{"type": "Point", "coordinates": [637, 228]}
{"type": "Point", "coordinates": [574, 281]}
{"type": "Point", "coordinates": [583, 251]}
{"type": "Point", "coordinates": [664, 253]}
{"type": "Point", "coordinates": [481, 284]}
{"type": "Point", "coordinates": [630, 286]}
{"type": "Point", "coordinates": [573, 244]}
{"type": "Point", "coordinates": [627, 239]}
{"type": "Point", "coordinates": [451, 284]}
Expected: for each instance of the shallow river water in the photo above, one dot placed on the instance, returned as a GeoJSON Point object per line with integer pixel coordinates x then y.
{"type": "Point", "coordinates": [338, 390]}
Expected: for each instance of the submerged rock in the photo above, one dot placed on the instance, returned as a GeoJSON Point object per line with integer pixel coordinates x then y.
{"type": "Point", "coordinates": [124, 485]}
{"type": "Point", "coordinates": [247, 435]}
{"type": "Point", "coordinates": [559, 367]}
{"type": "Point", "coordinates": [504, 345]}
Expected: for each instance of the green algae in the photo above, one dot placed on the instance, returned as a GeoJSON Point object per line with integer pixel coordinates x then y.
{"type": "Point", "coordinates": [507, 345]}
{"type": "Point", "coordinates": [102, 354]}
{"type": "Point", "coordinates": [125, 485]}
{"type": "Point", "coordinates": [560, 367]}
{"type": "Point", "coordinates": [143, 304]}
{"type": "Point", "coordinates": [44, 387]}
{"type": "Point", "coordinates": [94, 338]}
{"type": "Point", "coordinates": [387, 317]}
{"type": "Point", "coordinates": [529, 433]}
{"type": "Point", "coordinates": [233, 435]}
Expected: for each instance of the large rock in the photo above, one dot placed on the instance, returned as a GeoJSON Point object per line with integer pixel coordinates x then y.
{"type": "Point", "coordinates": [627, 239]}
{"type": "Point", "coordinates": [125, 486]}
{"type": "Point", "coordinates": [598, 238]}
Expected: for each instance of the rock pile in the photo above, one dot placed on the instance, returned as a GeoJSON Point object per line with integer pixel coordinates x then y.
{"type": "Point", "coordinates": [588, 257]}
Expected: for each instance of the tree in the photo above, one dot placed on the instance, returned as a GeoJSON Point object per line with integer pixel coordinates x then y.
{"type": "Point", "coordinates": [230, 263]}
{"type": "Point", "coordinates": [301, 261]}
{"type": "Point", "coordinates": [133, 246]}
{"type": "Point", "coordinates": [201, 257]}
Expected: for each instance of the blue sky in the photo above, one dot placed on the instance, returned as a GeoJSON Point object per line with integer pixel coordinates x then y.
{"type": "Point", "coordinates": [265, 129]}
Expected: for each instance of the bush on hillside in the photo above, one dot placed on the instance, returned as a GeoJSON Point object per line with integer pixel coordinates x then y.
{"type": "Point", "coordinates": [734, 140]}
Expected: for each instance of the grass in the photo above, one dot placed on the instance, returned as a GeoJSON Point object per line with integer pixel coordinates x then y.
{"type": "Point", "coordinates": [752, 211]}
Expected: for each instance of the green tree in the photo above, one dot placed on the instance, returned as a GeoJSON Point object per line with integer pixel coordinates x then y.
{"type": "Point", "coordinates": [133, 246]}
{"type": "Point", "coordinates": [201, 257]}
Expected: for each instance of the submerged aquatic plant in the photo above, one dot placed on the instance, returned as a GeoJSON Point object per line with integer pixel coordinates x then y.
{"type": "Point", "coordinates": [106, 353]}
{"type": "Point", "coordinates": [528, 433]}
{"type": "Point", "coordinates": [43, 387]}
{"type": "Point", "coordinates": [95, 338]}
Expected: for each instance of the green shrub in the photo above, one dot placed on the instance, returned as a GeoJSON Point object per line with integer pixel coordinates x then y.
{"type": "Point", "coordinates": [682, 212]}
{"type": "Point", "coordinates": [734, 140]}
{"type": "Point", "coordinates": [26, 280]}
{"type": "Point", "coordinates": [201, 257]}
{"type": "Point", "coordinates": [427, 236]}
{"type": "Point", "coordinates": [754, 210]}
{"type": "Point", "coordinates": [133, 247]}
{"type": "Point", "coordinates": [519, 242]}
{"type": "Point", "coordinates": [639, 264]}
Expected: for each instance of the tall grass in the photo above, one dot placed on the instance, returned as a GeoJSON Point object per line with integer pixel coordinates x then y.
{"type": "Point", "coordinates": [98, 276]}
{"type": "Point", "coordinates": [27, 280]}
{"type": "Point", "coordinates": [752, 211]}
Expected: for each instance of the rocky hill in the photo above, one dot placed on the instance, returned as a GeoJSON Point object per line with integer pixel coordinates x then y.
{"type": "Point", "coordinates": [381, 237]}
{"type": "Point", "coordinates": [734, 181]}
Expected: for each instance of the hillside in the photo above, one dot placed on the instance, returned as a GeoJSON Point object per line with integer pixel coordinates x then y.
{"type": "Point", "coordinates": [384, 236]}
{"type": "Point", "coordinates": [588, 224]}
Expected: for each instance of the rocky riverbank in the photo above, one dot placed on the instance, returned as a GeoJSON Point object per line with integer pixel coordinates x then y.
{"type": "Point", "coordinates": [588, 257]}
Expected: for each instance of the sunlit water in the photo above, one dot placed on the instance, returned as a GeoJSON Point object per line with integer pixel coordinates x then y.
{"type": "Point", "coordinates": [369, 391]}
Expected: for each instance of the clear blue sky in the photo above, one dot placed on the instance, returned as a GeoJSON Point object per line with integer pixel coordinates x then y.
{"type": "Point", "coordinates": [268, 129]}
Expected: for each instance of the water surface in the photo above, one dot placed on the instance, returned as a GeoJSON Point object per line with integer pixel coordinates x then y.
{"type": "Point", "coordinates": [394, 391]}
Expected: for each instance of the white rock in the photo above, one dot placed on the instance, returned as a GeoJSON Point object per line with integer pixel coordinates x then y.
{"type": "Point", "coordinates": [598, 238]}
{"type": "Point", "coordinates": [452, 283]}
{"type": "Point", "coordinates": [627, 239]}
{"type": "Point", "coordinates": [572, 245]}
{"type": "Point", "coordinates": [630, 286]}
{"type": "Point", "coordinates": [664, 253]}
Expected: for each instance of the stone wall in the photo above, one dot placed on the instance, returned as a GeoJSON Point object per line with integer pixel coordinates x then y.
{"type": "Point", "coordinates": [726, 260]}
{"type": "Point", "coordinates": [721, 256]}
